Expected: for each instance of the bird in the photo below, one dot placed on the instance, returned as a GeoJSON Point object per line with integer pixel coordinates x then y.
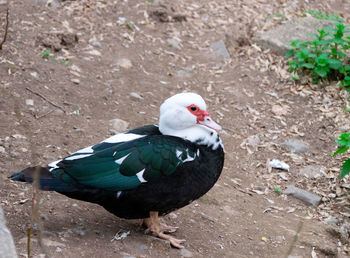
{"type": "Point", "coordinates": [147, 172]}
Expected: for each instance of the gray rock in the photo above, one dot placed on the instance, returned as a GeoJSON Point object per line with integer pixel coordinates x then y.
{"type": "Point", "coordinates": [124, 63]}
{"type": "Point", "coordinates": [331, 221]}
{"type": "Point", "coordinates": [278, 39]}
{"type": "Point", "coordinates": [186, 253]}
{"type": "Point", "coordinates": [96, 44]}
{"type": "Point", "coordinates": [118, 125]}
{"type": "Point", "coordinates": [29, 102]}
{"type": "Point", "coordinates": [305, 196]}
{"type": "Point", "coordinates": [78, 232]}
{"type": "Point", "coordinates": [174, 43]}
{"type": "Point", "coordinates": [136, 96]}
{"type": "Point", "coordinates": [220, 49]}
{"type": "Point", "coordinates": [186, 72]}
{"type": "Point", "coordinates": [2, 149]}
{"type": "Point", "coordinates": [7, 246]}
{"type": "Point", "coordinates": [295, 145]}
{"type": "Point", "coordinates": [313, 171]}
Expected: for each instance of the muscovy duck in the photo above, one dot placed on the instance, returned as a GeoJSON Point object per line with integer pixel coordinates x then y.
{"type": "Point", "coordinates": [145, 172]}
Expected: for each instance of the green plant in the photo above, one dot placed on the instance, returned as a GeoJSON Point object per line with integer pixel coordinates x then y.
{"type": "Point", "coordinates": [344, 145]}
{"type": "Point", "coordinates": [324, 16]}
{"type": "Point", "coordinates": [46, 54]}
{"type": "Point", "coordinates": [325, 57]}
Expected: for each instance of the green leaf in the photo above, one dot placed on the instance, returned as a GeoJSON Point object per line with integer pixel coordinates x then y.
{"type": "Point", "coordinates": [335, 64]}
{"type": "Point", "coordinates": [289, 53]}
{"type": "Point", "coordinates": [321, 71]}
{"type": "Point", "coordinates": [345, 169]}
{"type": "Point", "coordinates": [308, 65]}
{"type": "Point", "coordinates": [344, 140]}
{"type": "Point", "coordinates": [340, 150]}
{"type": "Point", "coordinates": [278, 190]}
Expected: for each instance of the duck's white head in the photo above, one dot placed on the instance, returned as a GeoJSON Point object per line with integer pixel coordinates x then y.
{"type": "Point", "coordinates": [185, 115]}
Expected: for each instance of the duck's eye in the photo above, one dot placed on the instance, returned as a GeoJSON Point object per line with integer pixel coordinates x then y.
{"type": "Point", "coordinates": [193, 108]}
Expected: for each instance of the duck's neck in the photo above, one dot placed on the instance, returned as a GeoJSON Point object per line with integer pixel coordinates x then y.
{"type": "Point", "coordinates": [198, 134]}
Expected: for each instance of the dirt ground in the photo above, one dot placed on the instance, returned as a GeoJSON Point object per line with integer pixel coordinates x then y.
{"type": "Point", "coordinates": [122, 59]}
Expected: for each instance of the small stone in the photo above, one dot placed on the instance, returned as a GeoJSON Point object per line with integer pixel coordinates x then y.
{"type": "Point", "coordinates": [29, 102]}
{"type": "Point", "coordinates": [136, 96]}
{"type": "Point", "coordinates": [174, 43]}
{"type": "Point", "coordinates": [186, 72]}
{"type": "Point", "coordinates": [305, 196]}
{"type": "Point", "coordinates": [220, 49]}
{"type": "Point", "coordinates": [94, 52]}
{"type": "Point", "coordinates": [331, 221]}
{"type": "Point", "coordinates": [296, 145]}
{"type": "Point", "coordinates": [280, 110]}
{"type": "Point", "coordinates": [35, 75]}
{"type": "Point", "coordinates": [186, 253]}
{"type": "Point", "coordinates": [18, 136]}
{"type": "Point", "coordinates": [2, 149]}
{"type": "Point", "coordinates": [124, 63]}
{"type": "Point", "coordinates": [143, 247]}
{"type": "Point", "coordinates": [118, 125]}
{"type": "Point", "coordinates": [78, 232]}
{"type": "Point", "coordinates": [313, 171]}
{"type": "Point", "coordinates": [280, 239]}
{"type": "Point", "coordinates": [75, 80]}
{"type": "Point", "coordinates": [96, 44]}
{"type": "Point", "coordinates": [58, 250]}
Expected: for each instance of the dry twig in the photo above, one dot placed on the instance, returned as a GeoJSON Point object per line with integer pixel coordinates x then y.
{"type": "Point", "coordinates": [6, 28]}
{"type": "Point", "coordinates": [44, 98]}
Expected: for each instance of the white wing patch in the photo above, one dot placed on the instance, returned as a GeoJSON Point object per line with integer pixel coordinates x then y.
{"type": "Point", "coordinates": [120, 161]}
{"type": "Point", "coordinates": [140, 176]}
{"type": "Point", "coordinates": [85, 150]}
{"type": "Point", "coordinates": [119, 193]}
{"type": "Point", "coordinates": [78, 156]}
{"type": "Point", "coordinates": [53, 164]}
{"type": "Point", "coordinates": [123, 137]}
{"type": "Point", "coordinates": [179, 154]}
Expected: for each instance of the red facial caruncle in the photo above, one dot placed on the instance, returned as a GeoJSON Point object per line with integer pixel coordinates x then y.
{"type": "Point", "coordinates": [200, 114]}
{"type": "Point", "coordinates": [203, 117]}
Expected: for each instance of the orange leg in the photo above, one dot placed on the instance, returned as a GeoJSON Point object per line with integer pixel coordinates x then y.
{"type": "Point", "coordinates": [157, 229]}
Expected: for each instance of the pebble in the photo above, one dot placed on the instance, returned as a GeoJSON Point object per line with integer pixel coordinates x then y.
{"type": "Point", "coordinates": [76, 81]}
{"type": "Point", "coordinates": [124, 63]}
{"type": "Point", "coordinates": [305, 196]}
{"type": "Point", "coordinates": [29, 102]}
{"type": "Point", "coordinates": [96, 44]}
{"type": "Point", "coordinates": [94, 52]}
{"type": "Point", "coordinates": [118, 125]}
{"type": "Point", "coordinates": [136, 96]}
{"type": "Point", "coordinates": [2, 149]}
{"type": "Point", "coordinates": [174, 43]}
{"type": "Point", "coordinates": [313, 171]}
{"type": "Point", "coordinates": [143, 247]}
{"type": "Point", "coordinates": [296, 145]}
{"type": "Point", "coordinates": [35, 75]}
{"type": "Point", "coordinates": [220, 49]}
{"type": "Point", "coordinates": [186, 72]}
{"type": "Point", "coordinates": [186, 253]}
{"type": "Point", "coordinates": [78, 232]}
{"type": "Point", "coordinates": [331, 221]}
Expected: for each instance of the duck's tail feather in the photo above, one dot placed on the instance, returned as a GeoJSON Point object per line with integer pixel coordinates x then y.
{"type": "Point", "coordinates": [47, 181]}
